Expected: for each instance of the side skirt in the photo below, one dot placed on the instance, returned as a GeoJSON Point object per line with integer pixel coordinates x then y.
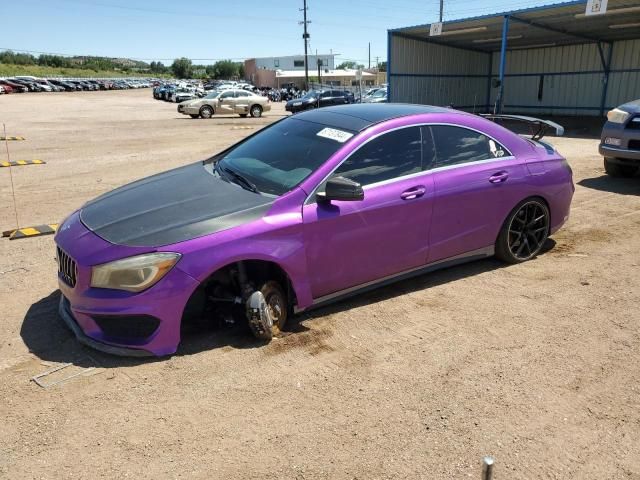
{"type": "Point", "coordinates": [396, 277]}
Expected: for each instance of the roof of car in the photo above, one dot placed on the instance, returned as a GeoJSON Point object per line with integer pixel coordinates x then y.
{"type": "Point", "coordinates": [358, 116]}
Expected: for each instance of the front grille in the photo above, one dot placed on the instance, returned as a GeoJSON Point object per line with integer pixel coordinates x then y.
{"type": "Point", "coordinates": [67, 269]}
{"type": "Point", "coordinates": [634, 144]}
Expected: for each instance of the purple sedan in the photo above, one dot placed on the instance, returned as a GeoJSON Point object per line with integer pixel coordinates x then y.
{"type": "Point", "coordinates": [309, 210]}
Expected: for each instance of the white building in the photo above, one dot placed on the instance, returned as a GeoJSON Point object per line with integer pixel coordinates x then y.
{"type": "Point", "coordinates": [295, 62]}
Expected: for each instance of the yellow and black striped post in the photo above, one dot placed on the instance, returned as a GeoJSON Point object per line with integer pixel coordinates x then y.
{"type": "Point", "coordinates": [15, 139]}
{"type": "Point", "coordinates": [20, 163]}
{"type": "Point", "coordinates": [27, 232]}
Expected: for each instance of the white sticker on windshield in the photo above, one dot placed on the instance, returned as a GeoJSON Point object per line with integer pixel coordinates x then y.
{"type": "Point", "coordinates": [333, 134]}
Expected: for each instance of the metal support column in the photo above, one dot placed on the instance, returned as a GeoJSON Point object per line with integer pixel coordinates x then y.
{"type": "Point", "coordinates": [389, 39]}
{"type": "Point", "coordinates": [605, 85]}
{"type": "Point", "coordinates": [503, 61]}
{"type": "Point", "coordinates": [487, 102]}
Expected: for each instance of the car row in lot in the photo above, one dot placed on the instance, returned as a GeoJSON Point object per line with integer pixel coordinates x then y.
{"type": "Point", "coordinates": [178, 92]}
{"type": "Point", "coordinates": [188, 90]}
{"type": "Point", "coordinates": [24, 84]}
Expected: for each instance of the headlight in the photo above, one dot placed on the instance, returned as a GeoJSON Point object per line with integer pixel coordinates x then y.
{"type": "Point", "coordinates": [617, 116]}
{"type": "Point", "coordinates": [133, 274]}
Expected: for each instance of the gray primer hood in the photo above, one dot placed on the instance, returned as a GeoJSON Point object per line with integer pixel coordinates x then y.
{"type": "Point", "coordinates": [172, 207]}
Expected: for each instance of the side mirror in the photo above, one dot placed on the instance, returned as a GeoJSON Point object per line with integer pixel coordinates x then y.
{"type": "Point", "coordinates": [342, 189]}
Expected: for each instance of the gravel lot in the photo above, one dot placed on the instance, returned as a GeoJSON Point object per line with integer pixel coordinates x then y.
{"type": "Point", "coordinates": [536, 364]}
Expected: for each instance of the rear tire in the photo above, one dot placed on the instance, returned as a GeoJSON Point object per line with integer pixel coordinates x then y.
{"type": "Point", "coordinates": [616, 170]}
{"type": "Point", "coordinates": [256, 111]}
{"type": "Point", "coordinates": [206, 112]}
{"type": "Point", "coordinates": [524, 232]}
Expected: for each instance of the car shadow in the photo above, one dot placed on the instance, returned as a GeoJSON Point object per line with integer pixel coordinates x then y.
{"type": "Point", "coordinates": [605, 183]}
{"type": "Point", "coordinates": [46, 336]}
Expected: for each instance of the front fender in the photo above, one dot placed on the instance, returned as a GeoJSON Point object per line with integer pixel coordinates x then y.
{"type": "Point", "coordinates": [277, 237]}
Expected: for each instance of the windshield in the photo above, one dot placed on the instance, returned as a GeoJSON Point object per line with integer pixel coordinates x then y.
{"type": "Point", "coordinates": [283, 155]}
{"type": "Point", "coordinates": [380, 93]}
{"type": "Point", "coordinates": [213, 95]}
{"type": "Point", "coordinates": [311, 94]}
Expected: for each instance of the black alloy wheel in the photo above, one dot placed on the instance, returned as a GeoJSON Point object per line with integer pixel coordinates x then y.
{"type": "Point", "coordinates": [524, 233]}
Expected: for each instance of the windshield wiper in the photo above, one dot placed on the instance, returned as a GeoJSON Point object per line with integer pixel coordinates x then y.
{"type": "Point", "coordinates": [241, 180]}
{"type": "Point", "coordinates": [219, 171]}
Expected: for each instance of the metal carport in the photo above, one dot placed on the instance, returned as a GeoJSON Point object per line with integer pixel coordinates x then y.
{"type": "Point", "coordinates": [552, 60]}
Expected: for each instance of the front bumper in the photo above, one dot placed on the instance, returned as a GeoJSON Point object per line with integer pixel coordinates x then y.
{"type": "Point", "coordinates": [186, 110]}
{"type": "Point", "coordinates": [64, 310]}
{"type": "Point", "coordinates": [628, 134]}
{"type": "Point", "coordinates": [615, 153]}
{"type": "Point", "coordinates": [97, 315]}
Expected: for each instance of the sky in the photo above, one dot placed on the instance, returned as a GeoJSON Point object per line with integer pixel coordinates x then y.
{"type": "Point", "coordinates": [207, 31]}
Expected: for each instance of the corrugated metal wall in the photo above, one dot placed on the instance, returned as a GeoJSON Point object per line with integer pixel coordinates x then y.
{"type": "Point", "coordinates": [566, 80]}
{"type": "Point", "coordinates": [573, 93]}
{"type": "Point", "coordinates": [624, 86]}
{"type": "Point", "coordinates": [438, 75]}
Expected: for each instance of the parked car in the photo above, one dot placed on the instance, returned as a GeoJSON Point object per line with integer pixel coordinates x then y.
{"type": "Point", "coordinates": [31, 86]}
{"type": "Point", "coordinates": [45, 83]}
{"type": "Point", "coordinates": [237, 101]}
{"type": "Point", "coordinates": [306, 211]}
{"type": "Point", "coordinates": [15, 87]}
{"type": "Point", "coordinates": [67, 86]}
{"type": "Point", "coordinates": [319, 98]}
{"type": "Point", "coordinates": [181, 94]}
{"type": "Point", "coordinates": [620, 140]}
{"type": "Point", "coordinates": [34, 84]}
{"type": "Point", "coordinates": [379, 96]}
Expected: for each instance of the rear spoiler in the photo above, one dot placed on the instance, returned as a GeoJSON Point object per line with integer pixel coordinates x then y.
{"type": "Point", "coordinates": [537, 126]}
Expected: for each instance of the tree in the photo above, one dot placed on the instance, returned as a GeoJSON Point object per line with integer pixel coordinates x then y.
{"type": "Point", "coordinates": [225, 69]}
{"type": "Point", "coordinates": [350, 65]}
{"type": "Point", "coordinates": [382, 66]}
{"type": "Point", "coordinates": [181, 68]}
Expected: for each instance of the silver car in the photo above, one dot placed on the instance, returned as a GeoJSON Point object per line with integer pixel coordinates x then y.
{"type": "Point", "coordinates": [236, 101]}
{"type": "Point", "coordinates": [379, 96]}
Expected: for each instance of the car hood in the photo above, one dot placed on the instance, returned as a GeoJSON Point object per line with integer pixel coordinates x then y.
{"type": "Point", "coordinates": [172, 207]}
{"type": "Point", "coordinates": [196, 102]}
{"type": "Point", "coordinates": [631, 107]}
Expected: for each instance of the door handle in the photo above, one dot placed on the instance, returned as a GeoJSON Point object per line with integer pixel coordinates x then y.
{"type": "Point", "coordinates": [499, 177]}
{"type": "Point", "coordinates": [413, 193]}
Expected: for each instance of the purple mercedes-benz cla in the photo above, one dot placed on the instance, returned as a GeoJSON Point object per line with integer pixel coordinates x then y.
{"type": "Point", "coordinates": [315, 207]}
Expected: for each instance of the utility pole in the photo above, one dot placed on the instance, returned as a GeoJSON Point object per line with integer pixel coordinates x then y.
{"type": "Point", "coordinates": [369, 55]}
{"type": "Point", "coordinates": [305, 37]}
{"type": "Point", "coordinates": [377, 61]}
{"type": "Point", "coordinates": [441, 8]}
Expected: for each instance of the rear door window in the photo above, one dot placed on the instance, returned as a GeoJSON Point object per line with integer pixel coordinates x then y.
{"type": "Point", "coordinates": [459, 145]}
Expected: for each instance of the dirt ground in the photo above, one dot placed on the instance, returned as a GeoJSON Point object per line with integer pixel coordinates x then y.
{"type": "Point", "coordinates": [536, 364]}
